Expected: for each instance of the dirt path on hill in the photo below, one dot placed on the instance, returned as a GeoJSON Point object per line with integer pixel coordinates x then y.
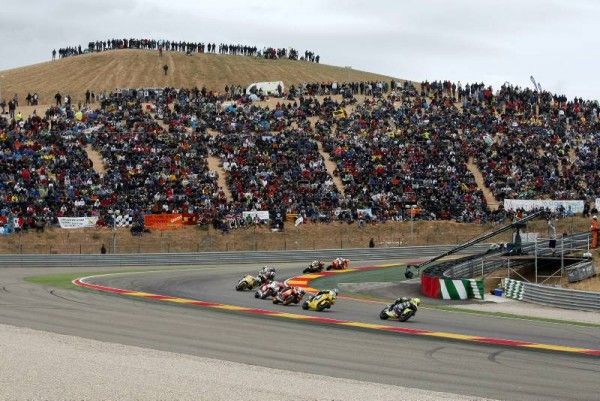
{"type": "Point", "coordinates": [96, 158]}
{"type": "Point", "coordinates": [330, 166]}
{"type": "Point", "coordinates": [487, 194]}
{"type": "Point", "coordinates": [214, 165]}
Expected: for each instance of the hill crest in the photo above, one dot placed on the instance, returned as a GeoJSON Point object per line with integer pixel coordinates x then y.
{"type": "Point", "coordinates": [131, 68]}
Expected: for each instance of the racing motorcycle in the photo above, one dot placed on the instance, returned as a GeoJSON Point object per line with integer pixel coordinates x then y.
{"type": "Point", "coordinates": [408, 309]}
{"type": "Point", "coordinates": [288, 296]}
{"type": "Point", "coordinates": [339, 264]}
{"type": "Point", "coordinates": [248, 282]}
{"type": "Point", "coordinates": [322, 300]}
{"type": "Point", "coordinates": [269, 289]}
{"type": "Point", "coordinates": [315, 267]}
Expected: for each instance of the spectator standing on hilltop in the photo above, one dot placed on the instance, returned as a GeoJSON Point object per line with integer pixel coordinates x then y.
{"type": "Point", "coordinates": [165, 68]}
{"type": "Point", "coordinates": [87, 97]}
{"type": "Point", "coordinates": [3, 106]}
{"type": "Point", "coordinates": [58, 98]}
{"type": "Point", "coordinates": [53, 54]}
{"type": "Point", "coordinates": [11, 109]}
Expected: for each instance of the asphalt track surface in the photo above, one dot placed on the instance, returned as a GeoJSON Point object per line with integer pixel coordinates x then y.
{"type": "Point", "coordinates": [428, 363]}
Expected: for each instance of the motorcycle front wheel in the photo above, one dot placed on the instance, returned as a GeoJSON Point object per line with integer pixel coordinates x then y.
{"type": "Point", "coordinates": [405, 316]}
{"type": "Point", "coordinates": [383, 315]}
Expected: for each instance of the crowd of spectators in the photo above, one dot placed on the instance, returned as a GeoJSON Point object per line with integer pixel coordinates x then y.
{"type": "Point", "coordinates": [400, 151]}
{"type": "Point", "coordinates": [186, 47]}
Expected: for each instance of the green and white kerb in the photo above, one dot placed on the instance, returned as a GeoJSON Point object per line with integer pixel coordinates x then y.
{"type": "Point", "coordinates": [461, 289]}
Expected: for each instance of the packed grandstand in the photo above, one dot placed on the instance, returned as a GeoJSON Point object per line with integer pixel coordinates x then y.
{"type": "Point", "coordinates": [401, 150]}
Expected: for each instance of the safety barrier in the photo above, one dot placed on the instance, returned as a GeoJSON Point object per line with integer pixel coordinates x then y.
{"type": "Point", "coordinates": [486, 262]}
{"type": "Point", "coordinates": [552, 296]}
{"type": "Point", "coordinates": [200, 258]}
{"type": "Point", "coordinates": [581, 271]}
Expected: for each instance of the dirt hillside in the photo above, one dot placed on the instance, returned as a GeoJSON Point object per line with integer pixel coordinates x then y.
{"type": "Point", "coordinates": [143, 68]}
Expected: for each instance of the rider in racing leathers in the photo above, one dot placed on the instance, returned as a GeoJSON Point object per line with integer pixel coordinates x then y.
{"type": "Point", "coordinates": [265, 275]}
{"type": "Point", "coordinates": [297, 292]}
{"type": "Point", "coordinates": [277, 286]}
{"type": "Point", "coordinates": [317, 265]}
{"type": "Point", "coordinates": [333, 293]}
{"type": "Point", "coordinates": [402, 303]}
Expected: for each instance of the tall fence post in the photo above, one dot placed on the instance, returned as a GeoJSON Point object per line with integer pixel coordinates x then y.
{"type": "Point", "coordinates": [536, 260]}
{"type": "Point", "coordinates": [562, 256]}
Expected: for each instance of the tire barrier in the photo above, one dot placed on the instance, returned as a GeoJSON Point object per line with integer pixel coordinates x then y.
{"type": "Point", "coordinates": [552, 296]}
{"type": "Point", "coordinates": [457, 289]}
{"type": "Point", "coordinates": [430, 286]}
{"type": "Point", "coordinates": [513, 289]}
{"type": "Point", "coordinates": [462, 288]}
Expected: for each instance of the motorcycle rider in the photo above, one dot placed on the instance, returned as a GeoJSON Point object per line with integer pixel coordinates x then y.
{"type": "Point", "coordinates": [266, 274]}
{"type": "Point", "coordinates": [277, 286]}
{"type": "Point", "coordinates": [339, 263]}
{"type": "Point", "coordinates": [295, 292]}
{"type": "Point", "coordinates": [403, 303]}
{"type": "Point", "coordinates": [317, 265]}
{"type": "Point", "coordinates": [333, 293]}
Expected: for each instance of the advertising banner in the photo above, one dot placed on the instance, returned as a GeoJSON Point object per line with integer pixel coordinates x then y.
{"type": "Point", "coordinates": [256, 214]}
{"type": "Point", "coordinates": [164, 221]}
{"type": "Point", "coordinates": [362, 213]}
{"type": "Point", "coordinates": [77, 222]}
{"type": "Point", "coordinates": [190, 219]}
{"type": "Point", "coordinates": [570, 206]}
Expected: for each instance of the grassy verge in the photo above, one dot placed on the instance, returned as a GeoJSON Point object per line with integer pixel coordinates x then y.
{"type": "Point", "coordinates": [387, 274]}
{"type": "Point", "coordinates": [60, 280]}
{"type": "Point", "coordinates": [64, 280]}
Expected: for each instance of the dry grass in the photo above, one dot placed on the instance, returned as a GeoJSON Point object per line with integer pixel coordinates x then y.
{"type": "Point", "coordinates": [307, 236]}
{"type": "Point", "coordinates": [143, 68]}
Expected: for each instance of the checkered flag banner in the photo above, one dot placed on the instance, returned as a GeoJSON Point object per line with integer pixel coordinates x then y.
{"type": "Point", "coordinates": [123, 220]}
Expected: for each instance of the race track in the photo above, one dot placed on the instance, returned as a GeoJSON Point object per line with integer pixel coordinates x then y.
{"type": "Point", "coordinates": [428, 363]}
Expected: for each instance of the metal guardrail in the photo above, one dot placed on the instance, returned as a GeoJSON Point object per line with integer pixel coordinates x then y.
{"type": "Point", "coordinates": [556, 296]}
{"type": "Point", "coordinates": [471, 267]}
{"type": "Point", "coordinates": [200, 258]}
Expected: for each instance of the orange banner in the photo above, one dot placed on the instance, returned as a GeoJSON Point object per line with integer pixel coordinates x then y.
{"type": "Point", "coordinates": [163, 221]}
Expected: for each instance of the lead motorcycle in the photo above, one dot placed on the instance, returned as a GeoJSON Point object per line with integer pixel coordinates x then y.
{"type": "Point", "coordinates": [401, 310]}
